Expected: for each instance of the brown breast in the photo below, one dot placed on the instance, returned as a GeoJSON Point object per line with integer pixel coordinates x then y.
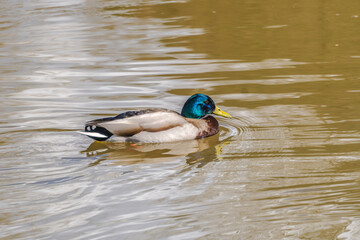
{"type": "Point", "coordinates": [207, 126]}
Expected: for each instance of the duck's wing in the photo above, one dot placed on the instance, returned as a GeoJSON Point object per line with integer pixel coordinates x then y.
{"type": "Point", "coordinates": [133, 122]}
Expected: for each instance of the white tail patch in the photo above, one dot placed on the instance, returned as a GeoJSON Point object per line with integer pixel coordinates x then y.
{"type": "Point", "coordinates": [94, 134]}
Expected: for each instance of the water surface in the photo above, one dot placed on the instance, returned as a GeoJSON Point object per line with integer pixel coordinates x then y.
{"type": "Point", "coordinates": [285, 167]}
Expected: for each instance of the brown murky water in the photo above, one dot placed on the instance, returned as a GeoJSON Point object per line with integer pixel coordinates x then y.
{"type": "Point", "coordinates": [287, 165]}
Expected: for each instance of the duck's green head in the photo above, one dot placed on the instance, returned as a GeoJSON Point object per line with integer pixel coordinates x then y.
{"type": "Point", "coordinates": [199, 105]}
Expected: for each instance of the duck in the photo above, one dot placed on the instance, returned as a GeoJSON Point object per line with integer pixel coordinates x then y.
{"type": "Point", "coordinates": [157, 125]}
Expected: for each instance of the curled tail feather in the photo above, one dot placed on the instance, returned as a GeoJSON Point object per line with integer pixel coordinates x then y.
{"type": "Point", "coordinates": [96, 132]}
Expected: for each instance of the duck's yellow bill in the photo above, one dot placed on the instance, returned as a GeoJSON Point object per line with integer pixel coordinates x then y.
{"type": "Point", "coordinates": [220, 112]}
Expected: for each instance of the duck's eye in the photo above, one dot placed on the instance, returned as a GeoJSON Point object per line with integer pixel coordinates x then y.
{"type": "Point", "coordinates": [207, 102]}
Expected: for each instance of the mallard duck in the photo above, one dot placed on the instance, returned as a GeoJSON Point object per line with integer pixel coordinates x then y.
{"type": "Point", "coordinates": [157, 125]}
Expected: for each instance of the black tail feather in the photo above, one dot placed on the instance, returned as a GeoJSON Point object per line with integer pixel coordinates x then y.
{"type": "Point", "coordinates": [96, 129]}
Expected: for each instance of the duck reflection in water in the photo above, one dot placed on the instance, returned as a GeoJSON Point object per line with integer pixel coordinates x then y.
{"type": "Point", "coordinates": [199, 152]}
